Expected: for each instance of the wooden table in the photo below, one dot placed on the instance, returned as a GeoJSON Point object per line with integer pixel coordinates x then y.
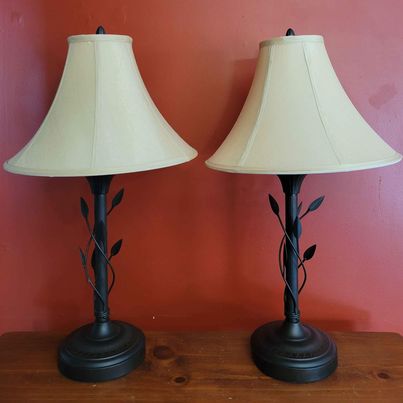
{"type": "Point", "coordinates": [203, 367]}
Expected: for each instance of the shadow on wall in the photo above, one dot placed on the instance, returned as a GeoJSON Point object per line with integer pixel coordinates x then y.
{"type": "Point", "coordinates": [241, 80]}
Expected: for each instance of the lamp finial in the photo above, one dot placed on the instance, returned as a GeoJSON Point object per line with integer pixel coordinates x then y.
{"type": "Point", "coordinates": [290, 32]}
{"type": "Point", "coordinates": [101, 30]}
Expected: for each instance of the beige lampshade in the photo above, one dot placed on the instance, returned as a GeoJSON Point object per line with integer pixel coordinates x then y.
{"type": "Point", "coordinates": [102, 120]}
{"type": "Point", "coordinates": [297, 119]}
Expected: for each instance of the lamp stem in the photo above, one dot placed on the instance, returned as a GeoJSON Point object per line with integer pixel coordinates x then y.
{"type": "Point", "coordinates": [290, 350]}
{"type": "Point", "coordinates": [105, 349]}
{"type": "Point", "coordinates": [291, 186]}
{"type": "Point", "coordinates": [99, 188]}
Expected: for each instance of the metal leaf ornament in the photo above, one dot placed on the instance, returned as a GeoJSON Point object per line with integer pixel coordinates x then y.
{"type": "Point", "coordinates": [310, 252]}
{"type": "Point", "coordinates": [93, 259]}
{"type": "Point", "coordinates": [83, 258]}
{"type": "Point", "coordinates": [297, 231]}
{"type": "Point", "coordinates": [274, 205]}
{"type": "Point", "coordinates": [87, 276]}
{"type": "Point", "coordinates": [84, 208]}
{"type": "Point", "coordinates": [116, 248]}
{"type": "Point", "coordinates": [117, 199]}
{"type": "Point", "coordinates": [314, 205]}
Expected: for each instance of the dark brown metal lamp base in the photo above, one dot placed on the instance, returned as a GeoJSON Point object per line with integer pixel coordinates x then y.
{"type": "Point", "coordinates": [293, 352]}
{"type": "Point", "coordinates": [85, 358]}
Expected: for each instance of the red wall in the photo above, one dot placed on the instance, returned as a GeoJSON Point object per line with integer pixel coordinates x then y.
{"type": "Point", "coordinates": [200, 246]}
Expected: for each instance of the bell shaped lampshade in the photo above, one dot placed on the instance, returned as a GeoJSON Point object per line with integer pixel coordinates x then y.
{"type": "Point", "coordinates": [297, 118]}
{"type": "Point", "coordinates": [102, 120]}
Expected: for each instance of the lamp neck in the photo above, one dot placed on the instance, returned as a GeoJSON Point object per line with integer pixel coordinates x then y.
{"type": "Point", "coordinates": [291, 184]}
{"type": "Point", "coordinates": [99, 184]}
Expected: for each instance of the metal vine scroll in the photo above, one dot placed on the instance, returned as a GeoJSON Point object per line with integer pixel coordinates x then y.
{"type": "Point", "coordinates": [115, 249]}
{"type": "Point", "coordinates": [296, 230]}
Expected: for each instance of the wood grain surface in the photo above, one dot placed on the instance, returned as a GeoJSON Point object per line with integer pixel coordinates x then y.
{"type": "Point", "coordinates": [203, 367]}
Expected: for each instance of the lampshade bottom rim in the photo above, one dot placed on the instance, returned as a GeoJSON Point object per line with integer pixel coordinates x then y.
{"type": "Point", "coordinates": [15, 169]}
{"type": "Point", "coordinates": [319, 170]}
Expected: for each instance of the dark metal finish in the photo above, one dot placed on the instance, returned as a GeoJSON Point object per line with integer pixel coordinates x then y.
{"type": "Point", "coordinates": [290, 32]}
{"type": "Point", "coordinates": [279, 354]}
{"type": "Point", "coordinates": [85, 359]}
{"type": "Point", "coordinates": [290, 350]}
{"type": "Point", "coordinates": [105, 349]}
{"type": "Point", "coordinates": [99, 188]}
{"type": "Point", "coordinates": [100, 30]}
{"type": "Point", "coordinates": [291, 186]}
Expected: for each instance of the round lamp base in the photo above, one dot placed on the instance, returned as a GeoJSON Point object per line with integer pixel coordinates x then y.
{"type": "Point", "coordinates": [88, 359]}
{"type": "Point", "coordinates": [293, 352]}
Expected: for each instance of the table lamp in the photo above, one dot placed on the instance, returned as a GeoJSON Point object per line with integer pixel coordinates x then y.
{"type": "Point", "coordinates": [102, 122]}
{"type": "Point", "coordinates": [297, 120]}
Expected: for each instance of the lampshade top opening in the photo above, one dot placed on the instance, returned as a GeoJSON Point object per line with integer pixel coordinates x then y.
{"type": "Point", "coordinates": [99, 38]}
{"type": "Point", "coordinates": [291, 39]}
